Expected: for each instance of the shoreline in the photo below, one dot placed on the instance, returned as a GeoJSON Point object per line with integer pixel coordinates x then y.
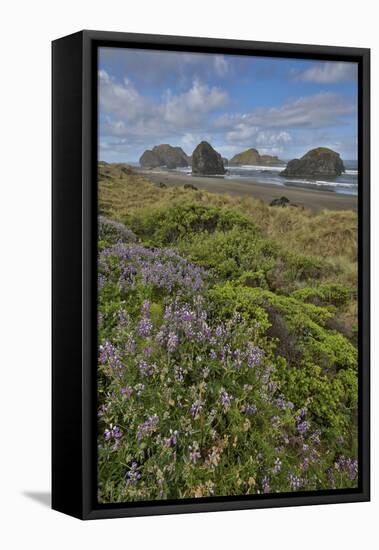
{"type": "Point", "coordinates": [314, 199]}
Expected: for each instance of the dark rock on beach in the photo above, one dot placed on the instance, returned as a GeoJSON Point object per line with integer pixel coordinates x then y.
{"type": "Point", "coordinates": [164, 155]}
{"type": "Point", "coordinates": [190, 186]}
{"type": "Point", "coordinates": [317, 163]}
{"type": "Point", "coordinates": [282, 201]}
{"type": "Point", "coordinates": [207, 161]}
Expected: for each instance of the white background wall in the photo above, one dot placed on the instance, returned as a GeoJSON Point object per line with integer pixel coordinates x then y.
{"type": "Point", "coordinates": [27, 27]}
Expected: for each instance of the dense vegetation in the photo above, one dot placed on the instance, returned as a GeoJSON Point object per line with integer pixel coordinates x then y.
{"type": "Point", "coordinates": [227, 344]}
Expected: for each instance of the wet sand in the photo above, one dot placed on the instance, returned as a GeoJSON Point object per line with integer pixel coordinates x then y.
{"type": "Point", "coordinates": [314, 199]}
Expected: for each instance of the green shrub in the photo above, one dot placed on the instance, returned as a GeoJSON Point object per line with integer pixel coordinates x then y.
{"type": "Point", "coordinates": [320, 364]}
{"type": "Point", "coordinates": [227, 255]}
{"type": "Point", "coordinates": [333, 294]}
{"type": "Point", "coordinates": [165, 226]}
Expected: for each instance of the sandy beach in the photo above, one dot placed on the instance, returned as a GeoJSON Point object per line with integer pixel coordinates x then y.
{"type": "Point", "coordinates": [314, 199]}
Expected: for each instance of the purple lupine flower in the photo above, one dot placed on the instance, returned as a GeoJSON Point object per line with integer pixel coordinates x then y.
{"type": "Point", "coordinates": [277, 466]}
{"type": "Point", "coordinates": [117, 433]}
{"type": "Point", "coordinates": [171, 441]}
{"type": "Point", "coordinates": [194, 455]}
{"type": "Point", "coordinates": [205, 333]}
{"type": "Point", "coordinates": [225, 352]}
{"type": "Point", "coordinates": [167, 312]}
{"type": "Point", "coordinates": [147, 369]}
{"type": "Point", "coordinates": [123, 317]}
{"type": "Point", "coordinates": [205, 372]}
{"type": "Point", "coordinates": [130, 345]}
{"type": "Point", "coordinates": [108, 435]}
{"type": "Point", "coordinates": [303, 427]}
{"type": "Point", "coordinates": [280, 403]}
{"type": "Point", "coordinates": [145, 309]}
{"type": "Point", "coordinates": [295, 482]}
{"type": "Point", "coordinates": [102, 410]}
{"type": "Point", "coordinates": [187, 315]}
{"type": "Point", "coordinates": [350, 466]}
{"type": "Point", "coordinates": [265, 485]}
{"type": "Point", "coordinates": [219, 331]}
{"type": "Point", "coordinates": [226, 400]}
{"type": "Point", "coordinates": [266, 375]}
{"type": "Point", "coordinates": [213, 354]}
{"type": "Point", "coordinates": [238, 359]}
{"type": "Point", "coordinates": [161, 336]}
{"type": "Point", "coordinates": [147, 351]}
{"type": "Point", "coordinates": [145, 326]}
{"type": "Point", "coordinates": [109, 354]}
{"type": "Point", "coordinates": [196, 408]}
{"type": "Point", "coordinates": [179, 374]}
{"type": "Point", "coordinates": [148, 427]}
{"type": "Point", "coordinates": [254, 356]}
{"type": "Point", "coordinates": [272, 386]}
{"type": "Point", "coordinates": [134, 475]}
{"type": "Point", "coordinates": [161, 268]}
{"type": "Point", "coordinates": [127, 391]}
{"type": "Point", "coordinates": [113, 432]}
{"type": "Point", "coordinates": [172, 342]}
{"type": "Point", "coordinates": [249, 409]}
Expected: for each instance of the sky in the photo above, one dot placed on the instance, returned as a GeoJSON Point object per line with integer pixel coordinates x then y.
{"type": "Point", "coordinates": [279, 106]}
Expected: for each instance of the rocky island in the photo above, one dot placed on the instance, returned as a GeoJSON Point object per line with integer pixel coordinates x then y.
{"type": "Point", "coordinates": [253, 158]}
{"type": "Point", "coordinates": [164, 155]}
{"type": "Point", "coordinates": [317, 163]}
{"type": "Point", "coordinates": [207, 161]}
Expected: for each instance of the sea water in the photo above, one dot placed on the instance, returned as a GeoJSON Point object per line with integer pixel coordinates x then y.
{"type": "Point", "coordinates": [347, 183]}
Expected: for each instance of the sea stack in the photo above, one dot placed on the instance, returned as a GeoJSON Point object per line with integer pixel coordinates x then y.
{"type": "Point", "coordinates": [164, 155]}
{"type": "Point", "coordinates": [207, 161]}
{"type": "Point", "coordinates": [252, 157]}
{"type": "Point", "coordinates": [317, 163]}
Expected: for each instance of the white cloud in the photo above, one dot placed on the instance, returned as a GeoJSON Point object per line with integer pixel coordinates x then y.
{"type": "Point", "coordinates": [131, 122]}
{"type": "Point", "coordinates": [316, 111]}
{"type": "Point", "coordinates": [128, 113]}
{"type": "Point", "coordinates": [122, 99]}
{"type": "Point", "coordinates": [266, 141]}
{"type": "Point", "coordinates": [221, 65]}
{"type": "Point", "coordinates": [189, 107]}
{"type": "Point", "coordinates": [157, 67]}
{"type": "Point", "coordinates": [329, 72]}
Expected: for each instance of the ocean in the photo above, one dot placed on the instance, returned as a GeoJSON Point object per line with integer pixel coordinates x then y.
{"type": "Point", "coordinates": [347, 183]}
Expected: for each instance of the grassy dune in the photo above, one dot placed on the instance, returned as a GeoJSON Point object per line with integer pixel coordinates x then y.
{"type": "Point", "coordinates": [227, 333]}
{"type": "Point", "coordinates": [328, 239]}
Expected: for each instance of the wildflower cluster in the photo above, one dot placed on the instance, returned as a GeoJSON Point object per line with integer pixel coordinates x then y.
{"type": "Point", "coordinates": [186, 394]}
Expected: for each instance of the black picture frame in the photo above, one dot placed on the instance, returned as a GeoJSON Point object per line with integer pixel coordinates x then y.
{"type": "Point", "coordinates": [74, 205]}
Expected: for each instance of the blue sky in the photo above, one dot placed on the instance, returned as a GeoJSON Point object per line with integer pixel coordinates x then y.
{"type": "Point", "coordinates": [279, 106]}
